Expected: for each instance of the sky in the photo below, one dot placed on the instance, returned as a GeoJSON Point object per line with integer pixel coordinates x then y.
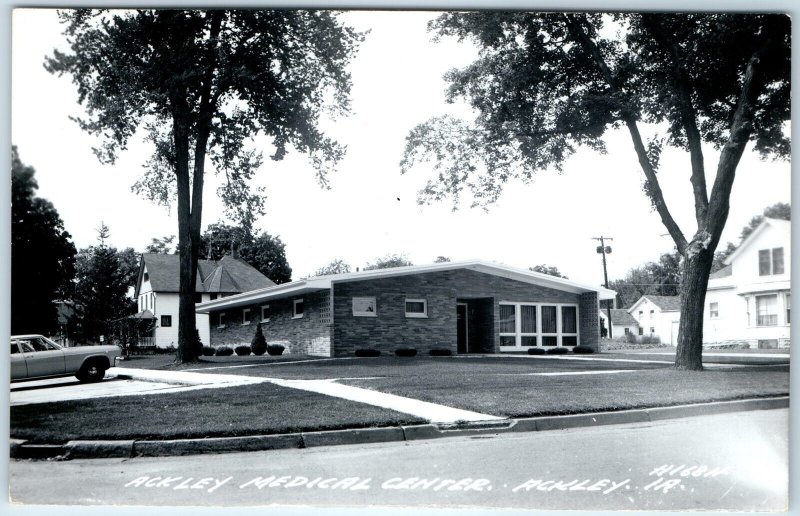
{"type": "Point", "coordinates": [371, 209]}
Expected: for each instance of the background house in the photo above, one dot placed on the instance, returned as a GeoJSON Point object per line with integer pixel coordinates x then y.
{"type": "Point", "coordinates": [622, 323]}
{"type": "Point", "coordinates": [748, 302]}
{"type": "Point", "coordinates": [466, 307]}
{"type": "Point", "coordinates": [157, 290]}
{"type": "Point", "coordinates": [658, 316]}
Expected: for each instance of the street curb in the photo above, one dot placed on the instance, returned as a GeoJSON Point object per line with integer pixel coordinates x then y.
{"type": "Point", "coordinates": [86, 449]}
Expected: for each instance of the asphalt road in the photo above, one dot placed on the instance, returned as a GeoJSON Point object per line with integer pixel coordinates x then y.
{"type": "Point", "coordinates": [735, 462]}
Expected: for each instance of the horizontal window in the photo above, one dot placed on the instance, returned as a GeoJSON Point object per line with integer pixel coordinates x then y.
{"type": "Point", "coordinates": [416, 308]}
{"type": "Point", "coordinates": [525, 325]}
{"type": "Point", "coordinates": [364, 307]}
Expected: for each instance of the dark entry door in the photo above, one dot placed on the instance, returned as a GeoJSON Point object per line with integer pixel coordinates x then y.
{"type": "Point", "coordinates": [461, 328]}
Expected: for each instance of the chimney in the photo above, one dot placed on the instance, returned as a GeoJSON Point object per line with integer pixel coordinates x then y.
{"type": "Point", "coordinates": [234, 250]}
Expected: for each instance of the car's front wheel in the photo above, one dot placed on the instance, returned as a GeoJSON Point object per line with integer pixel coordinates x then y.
{"type": "Point", "coordinates": [91, 372]}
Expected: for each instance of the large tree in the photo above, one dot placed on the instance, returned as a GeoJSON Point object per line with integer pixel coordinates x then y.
{"type": "Point", "coordinates": [42, 255]}
{"type": "Point", "coordinates": [265, 252]}
{"type": "Point", "coordinates": [546, 83]}
{"type": "Point", "coordinates": [199, 85]}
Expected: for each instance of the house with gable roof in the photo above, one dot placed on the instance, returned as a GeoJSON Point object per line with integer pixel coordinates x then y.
{"type": "Point", "coordinates": [658, 316]}
{"type": "Point", "coordinates": [464, 307]}
{"type": "Point", "coordinates": [748, 302]}
{"type": "Point", "coordinates": [622, 322]}
{"type": "Point", "coordinates": [157, 290]}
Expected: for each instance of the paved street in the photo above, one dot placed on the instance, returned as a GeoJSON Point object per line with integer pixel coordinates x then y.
{"type": "Point", "coordinates": [692, 463]}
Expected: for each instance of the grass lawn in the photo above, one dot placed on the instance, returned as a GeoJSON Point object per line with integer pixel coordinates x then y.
{"type": "Point", "coordinates": [234, 411]}
{"type": "Point", "coordinates": [503, 386]}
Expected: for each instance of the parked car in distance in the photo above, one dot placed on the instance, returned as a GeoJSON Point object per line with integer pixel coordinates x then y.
{"type": "Point", "coordinates": [36, 356]}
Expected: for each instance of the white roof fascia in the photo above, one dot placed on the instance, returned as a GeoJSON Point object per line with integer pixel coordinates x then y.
{"type": "Point", "coordinates": [265, 294]}
{"type": "Point", "coordinates": [494, 269]}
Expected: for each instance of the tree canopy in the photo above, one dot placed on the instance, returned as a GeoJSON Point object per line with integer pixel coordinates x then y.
{"type": "Point", "coordinates": [42, 255]}
{"type": "Point", "coordinates": [337, 266]}
{"type": "Point", "coordinates": [545, 84]}
{"type": "Point", "coordinates": [387, 262]}
{"type": "Point", "coordinates": [661, 278]}
{"type": "Point", "coordinates": [199, 85]}
{"type": "Point", "coordinates": [551, 270]}
{"type": "Point", "coordinates": [263, 251]}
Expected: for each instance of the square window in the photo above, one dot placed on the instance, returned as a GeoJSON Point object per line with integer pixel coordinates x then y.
{"type": "Point", "coordinates": [297, 309]}
{"type": "Point", "coordinates": [166, 321]}
{"type": "Point", "coordinates": [265, 313]}
{"type": "Point", "coordinates": [528, 341]}
{"type": "Point", "coordinates": [416, 308]}
{"type": "Point", "coordinates": [246, 316]}
{"type": "Point", "coordinates": [364, 307]}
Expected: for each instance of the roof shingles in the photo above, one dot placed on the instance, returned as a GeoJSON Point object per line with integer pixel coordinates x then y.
{"type": "Point", "coordinates": [229, 275]}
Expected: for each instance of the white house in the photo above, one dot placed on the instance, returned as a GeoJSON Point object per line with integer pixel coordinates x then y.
{"type": "Point", "coordinates": [658, 316]}
{"type": "Point", "coordinates": [157, 290]}
{"type": "Point", "coordinates": [748, 301]}
{"type": "Point", "coordinates": [622, 323]}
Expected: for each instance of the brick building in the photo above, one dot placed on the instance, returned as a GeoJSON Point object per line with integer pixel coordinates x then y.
{"type": "Point", "coordinates": [467, 307]}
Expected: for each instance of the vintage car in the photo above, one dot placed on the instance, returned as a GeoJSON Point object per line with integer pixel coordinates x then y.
{"type": "Point", "coordinates": [36, 356]}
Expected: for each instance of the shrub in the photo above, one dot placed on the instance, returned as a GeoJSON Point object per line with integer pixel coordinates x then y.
{"type": "Point", "coordinates": [406, 352]}
{"type": "Point", "coordinates": [259, 344]}
{"type": "Point", "coordinates": [557, 351]}
{"type": "Point", "coordinates": [630, 338]}
{"type": "Point", "coordinates": [651, 339]}
{"type": "Point", "coordinates": [275, 349]}
{"type": "Point", "coordinates": [224, 351]}
{"type": "Point", "coordinates": [208, 351]}
{"type": "Point", "coordinates": [440, 352]}
{"type": "Point", "coordinates": [536, 351]}
{"type": "Point", "coordinates": [198, 344]}
{"type": "Point", "coordinates": [367, 352]}
{"type": "Point", "coordinates": [583, 350]}
{"type": "Point", "coordinates": [243, 350]}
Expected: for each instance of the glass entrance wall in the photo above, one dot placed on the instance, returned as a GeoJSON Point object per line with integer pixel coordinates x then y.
{"type": "Point", "coordinates": [527, 325]}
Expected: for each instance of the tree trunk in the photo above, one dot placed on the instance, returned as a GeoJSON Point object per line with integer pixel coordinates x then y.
{"type": "Point", "coordinates": [186, 247]}
{"type": "Point", "coordinates": [696, 270]}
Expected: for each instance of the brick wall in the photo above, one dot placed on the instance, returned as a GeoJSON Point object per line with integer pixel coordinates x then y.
{"type": "Point", "coordinates": [310, 334]}
{"type": "Point", "coordinates": [392, 329]}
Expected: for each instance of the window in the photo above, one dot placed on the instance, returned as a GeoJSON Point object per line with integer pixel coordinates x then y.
{"type": "Point", "coordinates": [265, 313]}
{"type": "Point", "coordinates": [213, 296]}
{"type": "Point", "coordinates": [788, 303]}
{"type": "Point", "coordinates": [166, 321]}
{"type": "Point", "coordinates": [652, 330]}
{"type": "Point", "coordinates": [641, 330]}
{"type": "Point", "coordinates": [641, 313]}
{"type": "Point", "coordinates": [221, 320]}
{"type": "Point", "coordinates": [145, 276]}
{"type": "Point", "coordinates": [531, 324]}
{"type": "Point", "coordinates": [198, 297]}
{"type": "Point", "coordinates": [652, 314]}
{"type": "Point", "coordinates": [713, 310]}
{"type": "Point", "coordinates": [767, 310]}
{"type": "Point", "coordinates": [297, 309]}
{"type": "Point", "coordinates": [364, 307]}
{"type": "Point", "coordinates": [416, 308]}
{"type": "Point", "coordinates": [770, 261]}
{"type": "Point", "coordinates": [627, 331]}
{"type": "Point", "coordinates": [246, 316]}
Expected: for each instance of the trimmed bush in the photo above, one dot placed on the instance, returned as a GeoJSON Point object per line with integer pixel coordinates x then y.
{"type": "Point", "coordinates": [259, 344]}
{"type": "Point", "coordinates": [198, 344]}
{"type": "Point", "coordinates": [224, 351]}
{"type": "Point", "coordinates": [557, 351]}
{"type": "Point", "coordinates": [208, 351]}
{"type": "Point", "coordinates": [275, 349]}
{"type": "Point", "coordinates": [243, 350]}
{"type": "Point", "coordinates": [582, 350]}
{"type": "Point", "coordinates": [439, 352]}
{"type": "Point", "coordinates": [367, 352]}
{"type": "Point", "coordinates": [536, 351]}
{"type": "Point", "coordinates": [406, 352]}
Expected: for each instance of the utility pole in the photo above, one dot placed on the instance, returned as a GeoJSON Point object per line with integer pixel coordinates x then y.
{"type": "Point", "coordinates": [604, 249]}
